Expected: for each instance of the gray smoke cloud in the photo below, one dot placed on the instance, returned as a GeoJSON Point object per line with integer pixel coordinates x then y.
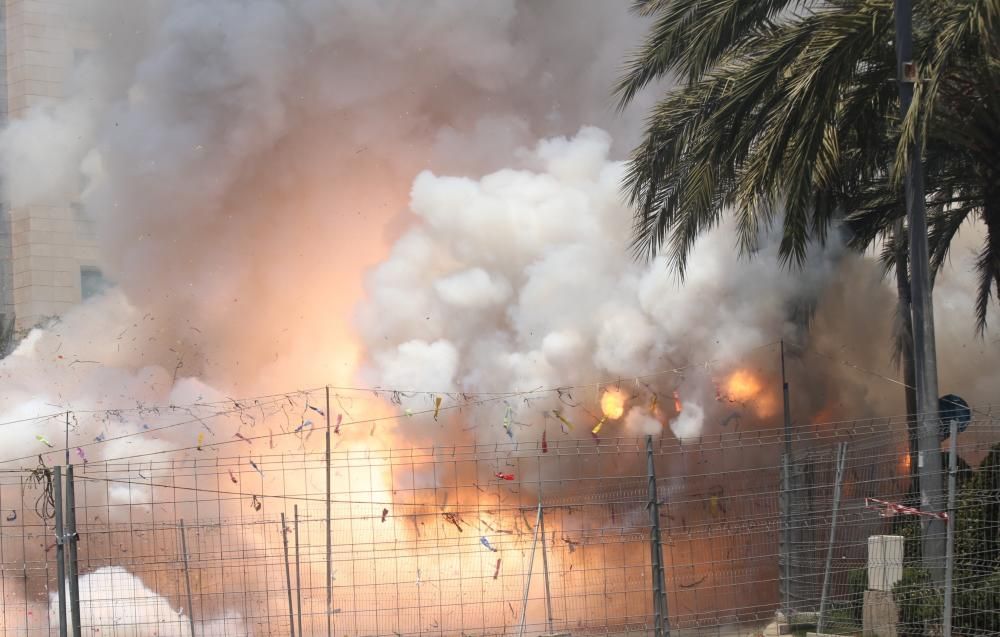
{"type": "Point", "coordinates": [290, 193]}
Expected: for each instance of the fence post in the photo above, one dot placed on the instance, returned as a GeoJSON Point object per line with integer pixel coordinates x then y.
{"type": "Point", "coordinates": [545, 558]}
{"type": "Point", "coordinates": [661, 621]}
{"type": "Point", "coordinates": [841, 460]}
{"type": "Point", "coordinates": [187, 575]}
{"type": "Point", "coordinates": [785, 581]}
{"type": "Point", "coordinates": [949, 563]}
{"type": "Point", "coordinates": [288, 577]}
{"type": "Point", "coordinates": [329, 530]}
{"type": "Point", "coordinates": [73, 571]}
{"type": "Point", "coordinates": [531, 565]}
{"type": "Point", "coordinates": [60, 548]}
{"type": "Point", "coordinates": [298, 572]}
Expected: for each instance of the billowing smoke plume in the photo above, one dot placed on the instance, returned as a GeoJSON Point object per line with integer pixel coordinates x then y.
{"type": "Point", "coordinates": [247, 162]}
{"type": "Point", "coordinates": [111, 596]}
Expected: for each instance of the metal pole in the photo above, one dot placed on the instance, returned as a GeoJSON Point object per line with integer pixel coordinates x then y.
{"type": "Point", "coordinates": [545, 557]}
{"type": "Point", "coordinates": [841, 460]}
{"type": "Point", "coordinates": [786, 495]}
{"type": "Point", "coordinates": [531, 565]}
{"type": "Point", "coordinates": [57, 493]}
{"type": "Point", "coordinates": [924, 355]}
{"type": "Point", "coordinates": [72, 570]}
{"type": "Point", "coordinates": [288, 577]}
{"type": "Point", "coordinates": [661, 621]}
{"type": "Point", "coordinates": [949, 561]}
{"type": "Point", "coordinates": [329, 530]}
{"type": "Point", "coordinates": [187, 575]}
{"type": "Point", "coordinates": [67, 438]}
{"type": "Point", "coordinates": [298, 572]}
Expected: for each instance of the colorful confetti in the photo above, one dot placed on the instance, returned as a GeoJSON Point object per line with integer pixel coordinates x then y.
{"type": "Point", "coordinates": [496, 571]}
{"type": "Point", "coordinates": [201, 439]}
{"type": "Point", "coordinates": [12, 516]}
{"type": "Point", "coordinates": [243, 438]}
{"type": "Point", "coordinates": [385, 512]}
{"type": "Point", "coordinates": [256, 504]}
{"type": "Point", "coordinates": [232, 477]}
{"type": "Point", "coordinates": [567, 426]}
{"type": "Point", "coordinates": [597, 427]}
{"type": "Point", "coordinates": [487, 544]}
{"type": "Point", "coordinates": [451, 517]}
{"type": "Point", "coordinates": [545, 442]}
{"type": "Point", "coordinates": [42, 440]}
{"type": "Point", "coordinates": [336, 429]}
{"type": "Point", "coordinates": [504, 476]}
{"type": "Point", "coordinates": [305, 423]}
{"type": "Point", "coordinates": [80, 453]}
{"type": "Point", "coordinates": [437, 406]}
{"type": "Point", "coordinates": [256, 468]}
{"type": "Point", "coordinates": [317, 410]}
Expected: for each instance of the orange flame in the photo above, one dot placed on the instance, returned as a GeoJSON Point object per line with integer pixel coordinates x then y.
{"type": "Point", "coordinates": [742, 386]}
{"type": "Point", "coordinates": [677, 403]}
{"type": "Point", "coordinates": [613, 403]}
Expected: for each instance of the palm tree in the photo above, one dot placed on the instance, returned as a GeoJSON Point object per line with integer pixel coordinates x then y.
{"type": "Point", "coordinates": [789, 106]}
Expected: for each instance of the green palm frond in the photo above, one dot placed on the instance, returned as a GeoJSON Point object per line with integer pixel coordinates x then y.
{"type": "Point", "coordinates": [789, 110]}
{"type": "Point", "coordinates": [691, 36]}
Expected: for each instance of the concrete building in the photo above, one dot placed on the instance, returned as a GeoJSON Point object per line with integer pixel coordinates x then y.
{"type": "Point", "coordinates": [48, 257]}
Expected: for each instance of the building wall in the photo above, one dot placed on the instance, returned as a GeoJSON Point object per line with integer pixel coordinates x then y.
{"type": "Point", "coordinates": [48, 244]}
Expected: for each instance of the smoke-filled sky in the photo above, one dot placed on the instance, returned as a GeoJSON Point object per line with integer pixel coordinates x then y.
{"type": "Point", "coordinates": [291, 193]}
{"type": "Point", "coordinates": [413, 196]}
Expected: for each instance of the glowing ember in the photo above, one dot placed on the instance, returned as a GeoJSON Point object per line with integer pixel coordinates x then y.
{"type": "Point", "coordinates": [742, 386]}
{"type": "Point", "coordinates": [613, 403]}
{"type": "Point", "coordinates": [677, 403]}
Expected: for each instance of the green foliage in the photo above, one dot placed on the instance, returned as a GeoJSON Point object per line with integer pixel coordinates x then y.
{"type": "Point", "coordinates": [857, 584]}
{"type": "Point", "coordinates": [919, 602]}
{"type": "Point", "coordinates": [977, 560]}
{"type": "Point", "coordinates": [790, 111]}
{"type": "Point", "coordinates": [977, 607]}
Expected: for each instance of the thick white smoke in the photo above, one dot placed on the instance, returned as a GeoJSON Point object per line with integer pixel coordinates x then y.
{"type": "Point", "coordinates": [521, 280]}
{"type": "Point", "coordinates": [246, 162]}
{"type": "Point", "coordinates": [114, 598]}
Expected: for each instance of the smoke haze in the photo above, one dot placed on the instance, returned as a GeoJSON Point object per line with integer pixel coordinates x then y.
{"type": "Point", "coordinates": [413, 196]}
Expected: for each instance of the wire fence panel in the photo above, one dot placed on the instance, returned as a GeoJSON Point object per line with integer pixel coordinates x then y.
{"type": "Point", "coordinates": [449, 540]}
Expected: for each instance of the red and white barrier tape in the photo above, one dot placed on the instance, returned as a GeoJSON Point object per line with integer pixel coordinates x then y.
{"type": "Point", "coordinates": [889, 509]}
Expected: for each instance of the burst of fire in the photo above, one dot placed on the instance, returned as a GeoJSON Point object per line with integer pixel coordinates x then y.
{"type": "Point", "coordinates": [613, 403]}
{"type": "Point", "coordinates": [678, 406]}
{"type": "Point", "coordinates": [742, 386]}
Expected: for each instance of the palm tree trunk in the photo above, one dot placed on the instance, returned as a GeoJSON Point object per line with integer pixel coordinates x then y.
{"type": "Point", "coordinates": [904, 336]}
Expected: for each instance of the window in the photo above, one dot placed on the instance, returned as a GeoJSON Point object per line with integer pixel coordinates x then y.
{"type": "Point", "coordinates": [92, 282]}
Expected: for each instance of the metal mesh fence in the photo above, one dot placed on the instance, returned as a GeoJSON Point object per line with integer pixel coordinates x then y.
{"type": "Point", "coordinates": [476, 540]}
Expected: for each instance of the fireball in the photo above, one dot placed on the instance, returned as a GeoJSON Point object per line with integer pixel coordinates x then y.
{"type": "Point", "coordinates": [613, 403]}
{"type": "Point", "coordinates": [742, 386]}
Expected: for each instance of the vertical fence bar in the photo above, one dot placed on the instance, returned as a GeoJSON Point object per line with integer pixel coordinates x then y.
{"type": "Point", "coordinates": [545, 557]}
{"type": "Point", "coordinates": [949, 561]}
{"type": "Point", "coordinates": [329, 530]}
{"type": "Point", "coordinates": [531, 565]}
{"type": "Point", "coordinates": [786, 495]}
{"type": "Point", "coordinates": [661, 622]}
{"type": "Point", "coordinates": [841, 460]}
{"type": "Point", "coordinates": [298, 570]}
{"type": "Point", "coordinates": [72, 570]}
{"type": "Point", "coordinates": [187, 575]}
{"type": "Point", "coordinates": [57, 493]}
{"type": "Point", "coordinates": [288, 577]}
